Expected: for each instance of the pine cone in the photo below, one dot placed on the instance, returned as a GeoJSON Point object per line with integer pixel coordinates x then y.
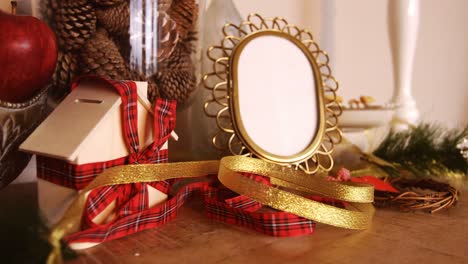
{"type": "Point", "coordinates": [65, 71]}
{"type": "Point", "coordinates": [176, 78]}
{"type": "Point", "coordinates": [153, 91]}
{"type": "Point", "coordinates": [185, 14]}
{"type": "Point", "coordinates": [164, 5]}
{"type": "Point", "coordinates": [165, 41]}
{"type": "Point", "coordinates": [176, 84]}
{"type": "Point", "coordinates": [101, 56]}
{"type": "Point", "coordinates": [108, 2]}
{"type": "Point", "coordinates": [180, 58]}
{"type": "Point", "coordinates": [75, 23]}
{"type": "Point", "coordinates": [115, 19]}
{"type": "Point", "coordinates": [191, 37]}
{"type": "Point", "coordinates": [167, 36]}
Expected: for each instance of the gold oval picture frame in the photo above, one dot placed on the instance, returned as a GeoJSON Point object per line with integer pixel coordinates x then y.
{"type": "Point", "coordinates": [223, 103]}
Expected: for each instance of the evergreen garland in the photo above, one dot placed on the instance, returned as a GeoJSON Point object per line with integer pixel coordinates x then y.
{"type": "Point", "coordinates": [426, 150]}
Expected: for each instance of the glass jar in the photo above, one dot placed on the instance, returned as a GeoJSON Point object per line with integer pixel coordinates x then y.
{"type": "Point", "coordinates": [195, 129]}
{"type": "Point", "coordinates": [144, 40]}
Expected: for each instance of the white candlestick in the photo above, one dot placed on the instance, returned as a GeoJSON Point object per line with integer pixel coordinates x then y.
{"type": "Point", "coordinates": [403, 23]}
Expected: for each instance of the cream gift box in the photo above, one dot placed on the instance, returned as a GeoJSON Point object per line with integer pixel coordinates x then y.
{"type": "Point", "coordinates": [86, 128]}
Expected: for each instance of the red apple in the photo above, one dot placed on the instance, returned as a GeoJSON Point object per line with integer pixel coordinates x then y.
{"type": "Point", "coordinates": [28, 53]}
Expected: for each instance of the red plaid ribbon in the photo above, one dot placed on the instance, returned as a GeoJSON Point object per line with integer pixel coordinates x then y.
{"type": "Point", "coordinates": [132, 211]}
{"type": "Point", "coordinates": [220, 204]}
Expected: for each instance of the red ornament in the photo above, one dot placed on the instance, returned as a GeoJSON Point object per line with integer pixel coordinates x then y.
{"type": "Point", "coordinates": [28, 54]}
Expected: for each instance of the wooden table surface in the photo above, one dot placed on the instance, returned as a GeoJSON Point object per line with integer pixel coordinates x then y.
{"type": "Point", "coordinates": [394, 237]}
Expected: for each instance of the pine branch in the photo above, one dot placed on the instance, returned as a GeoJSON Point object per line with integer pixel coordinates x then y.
{"type": "Point", "coordinates": [426, 150]}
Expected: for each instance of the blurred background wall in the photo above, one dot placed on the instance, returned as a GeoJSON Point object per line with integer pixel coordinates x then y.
{"type": "Point", "coordinates": [354, 33]}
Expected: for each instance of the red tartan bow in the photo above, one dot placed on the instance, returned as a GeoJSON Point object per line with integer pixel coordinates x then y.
{"type": "Point", "coordinates": [128, 200]}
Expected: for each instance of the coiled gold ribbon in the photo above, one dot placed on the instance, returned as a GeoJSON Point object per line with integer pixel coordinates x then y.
{"type": "Point", "coordinates": [359, 196]}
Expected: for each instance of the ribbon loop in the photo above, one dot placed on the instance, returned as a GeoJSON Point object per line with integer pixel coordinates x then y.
{"type": "Point", "coordinates": [296, 179]}
{"type": "Point", "coordinates": [290, 202]}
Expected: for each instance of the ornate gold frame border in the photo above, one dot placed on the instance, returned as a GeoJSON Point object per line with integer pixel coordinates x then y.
{"type": "Point", "coordinates": [221, 105]}
{"type": "Point", "coordinates": [234, 107]}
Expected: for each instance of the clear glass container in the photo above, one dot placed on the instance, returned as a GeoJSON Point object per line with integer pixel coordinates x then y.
{"type": "Point", "coordinates": [144, 40]}
{"type": "Point", "coordinates": [195, 129]}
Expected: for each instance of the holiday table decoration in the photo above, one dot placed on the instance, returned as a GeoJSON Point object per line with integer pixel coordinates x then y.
{"type": "Point", "coordinates": [256, 62]}
{"type": "Point", "coordinates": [153, 41]}
{"type": "Point", "coordinates": [275, 183]}
{"type": "Point", "coordinates": [424, 163]}
{"type": "Point", "coordinates": [426, 150]}
{"type": "Point", "coordinates": [95, 134]}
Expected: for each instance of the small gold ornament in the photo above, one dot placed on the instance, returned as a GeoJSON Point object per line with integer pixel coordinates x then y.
{"type": "Point", "coordinates": [364, 102]}
{"type": "Point", "coordinates": [367, 100]}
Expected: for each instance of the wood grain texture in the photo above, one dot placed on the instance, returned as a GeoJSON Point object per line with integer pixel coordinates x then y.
{"type": "Point", "coordinates": [394, 237]}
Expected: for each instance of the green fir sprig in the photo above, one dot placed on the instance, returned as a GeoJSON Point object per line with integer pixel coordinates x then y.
{"type": "Point", "coordinates": [427, 150]}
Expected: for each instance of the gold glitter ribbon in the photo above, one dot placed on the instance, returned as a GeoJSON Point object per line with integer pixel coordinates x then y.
{"type": "Point", "coordinates": [359, 196]}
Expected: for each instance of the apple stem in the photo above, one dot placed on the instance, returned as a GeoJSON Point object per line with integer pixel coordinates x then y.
{"type": "Point", "coordinates": [14, 4]}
